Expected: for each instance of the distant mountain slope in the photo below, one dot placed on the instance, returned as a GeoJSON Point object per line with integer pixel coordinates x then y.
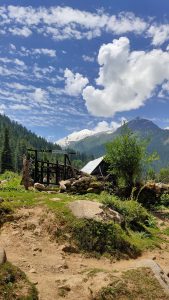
{"type": "Point", "coordinates": [21, 139]}
{"type": "Point", "coordinates": [159, 140]}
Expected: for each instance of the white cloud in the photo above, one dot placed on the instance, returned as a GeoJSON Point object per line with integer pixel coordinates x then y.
{"type": "Point", "coordinates": [159, 33]}
{"type": "Point", "coordinates": [127, 78]}
{"type": "Point", "coordinates": [40, 96]}
{"type": "Point", "coordinates": [74, 83]}
{"type": "Point", "coordinates": [66, 22]}
{"type": "Point", "coordinates": [19, 107]}
{"type": "Point", "coordinates": [44, 51]}
{"type": "Point", "coordinates": [36, 51]}
{"type": "Point", "coordinates": [76, 136]}
{"type": "Point", "coordinates": [24, 31]}
{"type": "Point", "coordinates": [88, 58]}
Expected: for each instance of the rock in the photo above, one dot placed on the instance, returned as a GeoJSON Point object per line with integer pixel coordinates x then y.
{"type": "Point", "coordinates": [37, 249]}
{"type": "Point", "coordinates": [86, 209]}
{"type": "Point", "coordinates": [64, 287]}
{"type": "Point", "coordinates": [51, 192]}
{"type": "Point", "coordinates": [63, 266]}
{"type": "Point", "coordinates": [40, 187]}
{"type": "Point", "coordinates": [70, 249]}
{"type": "Point", "coordinates": [37, 231]}
{"type": "Point", "coordinates": [3, 257]}
{"type": "Point", "coordinates": [32, 270]}
{"type": "Point", "coordinates": [94, 210]}
{"type": "Point", "coordinates": [4, 181]}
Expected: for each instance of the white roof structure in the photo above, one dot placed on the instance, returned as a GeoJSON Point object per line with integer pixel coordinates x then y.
{"type": "Point", "coordinates": [92, 165]}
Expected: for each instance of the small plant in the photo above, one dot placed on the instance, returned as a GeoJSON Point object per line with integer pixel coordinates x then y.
{"type": "Point", "coordinates": [164, 199]}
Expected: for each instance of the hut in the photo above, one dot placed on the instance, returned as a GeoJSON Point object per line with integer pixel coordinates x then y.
{"type": "Point", "coordinates": [97, 167]}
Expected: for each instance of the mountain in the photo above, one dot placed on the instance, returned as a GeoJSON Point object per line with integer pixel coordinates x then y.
{"type": "Point", "coordinates": [159, 140]}
{"type": "Point", "coordinates": [20, 139]}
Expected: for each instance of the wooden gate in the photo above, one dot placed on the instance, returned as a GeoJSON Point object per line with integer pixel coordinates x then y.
{"type": "Point", "coordinates": [46, 172]}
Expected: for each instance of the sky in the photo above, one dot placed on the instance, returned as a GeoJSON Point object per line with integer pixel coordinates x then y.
{"type": "Point", "coordinates": [82, 67]}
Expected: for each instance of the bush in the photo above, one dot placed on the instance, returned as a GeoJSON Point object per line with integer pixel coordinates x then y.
{"type": "Point", "coordinates": [136, 216]}
{"type": "Point", "coordinates": [164, 199]}
{"type": "Point", "coordinates": [101, 237]}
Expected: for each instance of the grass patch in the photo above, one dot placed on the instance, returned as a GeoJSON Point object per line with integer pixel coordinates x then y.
{"type": "Point", "coordinates": [133, 285]}
{"type": "Point", "coordinates": [15, 285]}
{"type": "Point", "coordinates": [91, 236]}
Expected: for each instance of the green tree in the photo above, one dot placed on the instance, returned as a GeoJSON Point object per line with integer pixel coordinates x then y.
{"type": "Point", "coordinates": [6, 156]}
{"type": "Point", "coordinates": [127, 157]}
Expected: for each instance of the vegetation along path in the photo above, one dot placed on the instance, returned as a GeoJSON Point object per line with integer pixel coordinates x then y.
{"type": "Point", "coordinates": [56, 273]}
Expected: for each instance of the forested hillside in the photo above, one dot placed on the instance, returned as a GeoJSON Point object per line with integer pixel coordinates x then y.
{"type": "Point", "coordinates": [21, 138]}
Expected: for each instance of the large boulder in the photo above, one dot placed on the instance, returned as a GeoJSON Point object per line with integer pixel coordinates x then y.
{"type": "Point", "coordinates": [85, 209]}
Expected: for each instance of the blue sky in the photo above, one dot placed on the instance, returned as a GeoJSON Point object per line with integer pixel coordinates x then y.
{"type": "Point", "coordinates": [66, 66]}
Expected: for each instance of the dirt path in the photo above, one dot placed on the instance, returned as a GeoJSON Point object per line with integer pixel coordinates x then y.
{"type": "Point", "coordinates": [56, 273]}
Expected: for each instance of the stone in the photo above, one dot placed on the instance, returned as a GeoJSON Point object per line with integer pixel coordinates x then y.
{"type": "Point", "coordinates": [32, 270]}
{"type": "Point", "coordinates": [86, 209]}
{"type": "Point", "coordinates": [40, 187]}
{"type": "Point", "coordinates": [94, 210]}
{"type": "Point", "coordinates": [64, 287]}
{"type": "Point", "coordinates": [69, 249]}
{"type": "Point", "coordinates": [3, 257]}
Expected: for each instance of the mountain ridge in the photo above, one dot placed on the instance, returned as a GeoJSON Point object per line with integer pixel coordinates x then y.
{"type": "Point", "coordinates": [144, 128]}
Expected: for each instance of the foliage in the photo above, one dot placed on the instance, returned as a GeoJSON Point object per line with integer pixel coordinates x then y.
{"type": "Point", "coordinates": [164, 199]}
{"type": "Point", "coordinates": [6, 156]}
{"type": "Point", "coordinates": [104, 237]}
{"type": "Point", "coordinates": [151, 174]}
{"type": "Point", "coordinates": [126, 155]}
{"type": "Point", "coordinates": [15, 285]}
{"type": "Point", "coordinates": [136, 216]}
{"type": "Point", "coordinates": [163, 175]}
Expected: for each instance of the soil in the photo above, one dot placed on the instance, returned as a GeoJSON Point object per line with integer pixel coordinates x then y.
{"type": "Point", "coordinates": [57, 274]}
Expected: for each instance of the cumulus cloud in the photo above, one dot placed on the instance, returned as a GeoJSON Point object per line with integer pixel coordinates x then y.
{"type": "Point", "coordinates": [76, 136]}
{"type": "Point", "coordinates": [40, 96]}
{"type": "Point", "coordinates": [126, 78]}
{"type": "Point", "coordinates": [159, 33]}
{"type": "Point", "coordinates": [74, 83]}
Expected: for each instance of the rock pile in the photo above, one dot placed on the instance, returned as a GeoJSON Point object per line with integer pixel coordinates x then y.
{"type": "Point", "coordinates": [82, 185]}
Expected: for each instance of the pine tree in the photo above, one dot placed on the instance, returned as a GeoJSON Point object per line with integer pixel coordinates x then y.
{"type": "Point", "coordinates": [6, 157]}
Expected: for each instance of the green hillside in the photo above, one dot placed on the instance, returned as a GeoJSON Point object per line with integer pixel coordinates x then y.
{"type": "Point", "coordinates": [159, 140]}
{"type": "Point", "coordinates": [20, 139]}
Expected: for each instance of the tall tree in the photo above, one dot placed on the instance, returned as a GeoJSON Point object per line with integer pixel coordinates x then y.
{"type": "Point", "coordinates": [6, 157]}
{"type": "Point", "coordinates": [127, 156]}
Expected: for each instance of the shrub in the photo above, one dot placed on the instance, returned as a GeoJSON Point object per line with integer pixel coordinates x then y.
{"type": "Point", "coordinates": [101, 237]}
{"type": "Point", "coordinates": [164, 199]}
{"type": "Point", "coordinates": [136, 216]}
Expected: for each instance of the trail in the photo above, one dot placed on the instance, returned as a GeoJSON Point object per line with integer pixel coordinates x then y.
{"type": "Point", "coordinates": [28, 246]}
